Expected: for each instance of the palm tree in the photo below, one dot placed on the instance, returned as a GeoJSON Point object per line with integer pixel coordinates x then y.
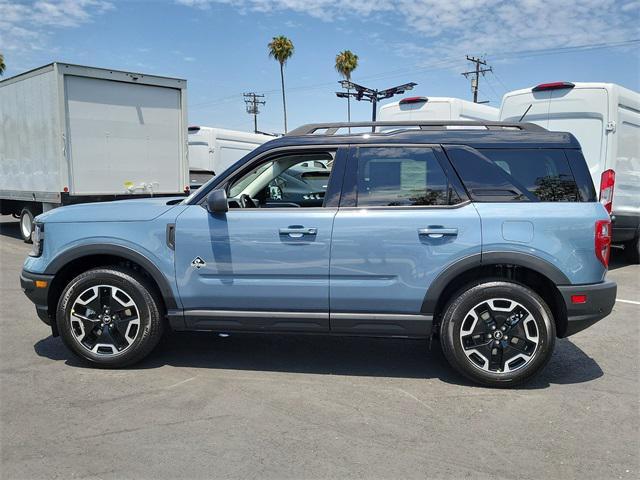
{"type": "Point", "coordinates": [281, 48]}
{"type": "Point", "coordinates": [2, 65]}
{"type": "Point", "coordinates": [347, 62]}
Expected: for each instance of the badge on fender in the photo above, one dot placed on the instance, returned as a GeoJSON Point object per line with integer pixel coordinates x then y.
{"type": "Point", "coordinates": [198, 263]}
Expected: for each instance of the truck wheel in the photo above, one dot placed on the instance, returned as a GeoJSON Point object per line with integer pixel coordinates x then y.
{"type": "Point", "coordinates": [632, 251]}
{"type": "Point", "coordinates": [110, 316]}
{"type": "Point", "coordinates": [498, 333]}
{"type": "Point", "coordinates": [26, 224]}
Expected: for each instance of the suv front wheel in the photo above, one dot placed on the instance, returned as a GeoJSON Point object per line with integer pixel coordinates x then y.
{"type": "Point", "coordinates": [498, 333]}
{"type": "Point", "coordinates": [110, 316]}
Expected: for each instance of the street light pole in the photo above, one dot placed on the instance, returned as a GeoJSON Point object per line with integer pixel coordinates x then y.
{"type": "Point", "coordinates": [371, 95]}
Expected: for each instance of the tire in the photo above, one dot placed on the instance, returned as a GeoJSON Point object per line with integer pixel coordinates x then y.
{"type": "Point", "coordinates": [520, 324]}
{"type": "Point", "coordinates": [26, 225]}
{"type": "Point", "coordinates": [121, 335]}
{"type": "Point", "coordinates": [632, 251]}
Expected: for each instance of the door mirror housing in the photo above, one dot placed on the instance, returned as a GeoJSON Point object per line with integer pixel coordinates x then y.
{"type": "Point", "coordinates": [217, 201]}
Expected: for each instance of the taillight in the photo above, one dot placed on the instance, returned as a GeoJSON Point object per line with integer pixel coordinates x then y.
{"type": "Point", "coordinates": [552, 86]}
{"type": "Point", "coordinates": [607, 182]}
{"type": "Point", "coordinates": [603, 241]}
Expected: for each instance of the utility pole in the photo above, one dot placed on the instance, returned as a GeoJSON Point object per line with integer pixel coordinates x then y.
{"type": "Point", "coordinates": [371, 94]}
{"type": "Point", "coordinates": [476, 75]}
{"type": "Point", "coordinates": [253, 101]}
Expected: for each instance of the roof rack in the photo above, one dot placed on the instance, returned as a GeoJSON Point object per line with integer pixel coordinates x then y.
{"type": "Point", "coordinates": [333, 128]}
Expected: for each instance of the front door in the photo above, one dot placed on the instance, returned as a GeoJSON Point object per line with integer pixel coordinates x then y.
{"type": "Point", "coordinates": [264, 265]}
{"type": "Point", "coordinates": [403, 219]}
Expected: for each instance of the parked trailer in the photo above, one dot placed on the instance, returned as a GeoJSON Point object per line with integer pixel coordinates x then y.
{"type": "Point", "coordinates": [212, 150]}
{"type": "Point", "coordinates": [436, 108]}
{"type": "Point", "coordinates": [605, 118]}
{"type": "Point", "coordinates": [73, 134]}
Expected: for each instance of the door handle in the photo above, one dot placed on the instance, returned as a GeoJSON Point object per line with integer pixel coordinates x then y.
{"type": "Point", "coordinates": [438, 232]}
{"type": "Point", "coordinates": [295, 231]}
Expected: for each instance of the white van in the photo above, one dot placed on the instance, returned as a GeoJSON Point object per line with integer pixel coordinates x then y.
{"type": "Point", "coordinates": [605, 118]}
{"type": "Point", "coordinates": [436, 108]}
{"type": "Point", "coordinates": [212, 150]}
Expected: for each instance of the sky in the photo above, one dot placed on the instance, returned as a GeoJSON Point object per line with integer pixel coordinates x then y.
{"type": "Point", "coordinates": [220, 47]}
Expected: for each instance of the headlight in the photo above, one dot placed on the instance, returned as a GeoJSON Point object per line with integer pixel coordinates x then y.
{"type": "Point", "coordinates": [37, 237]}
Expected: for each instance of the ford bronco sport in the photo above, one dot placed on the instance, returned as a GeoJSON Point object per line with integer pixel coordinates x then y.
{"type": "Point", "coordinates": [487, 236]}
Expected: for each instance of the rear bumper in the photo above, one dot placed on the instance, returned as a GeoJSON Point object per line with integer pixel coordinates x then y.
{"type": "Point", "coordinates": [38, 295]}
{"type": "Point", "coordinates": [600, 299]}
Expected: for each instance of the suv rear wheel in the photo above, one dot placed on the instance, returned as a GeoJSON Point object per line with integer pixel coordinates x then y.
{"type": "Point", "coordinates": [498, 333]}
{"type": "Point", "coordinates": [110, 317]}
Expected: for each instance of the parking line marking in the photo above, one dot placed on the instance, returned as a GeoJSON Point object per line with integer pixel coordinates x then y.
{"type": "Point", "coordinates": [180, 383]}
{"type": "Point", "coordinates": [632, 302]}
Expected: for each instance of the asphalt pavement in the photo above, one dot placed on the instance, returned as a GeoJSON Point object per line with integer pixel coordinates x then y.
{"type": "Point", "coordinates": [309, 407]}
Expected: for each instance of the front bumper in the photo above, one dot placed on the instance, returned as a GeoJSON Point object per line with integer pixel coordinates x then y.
{"type": "Point", "coordinates": [600, 299]}
{"type": "Point", "coordinates": [37, 294]}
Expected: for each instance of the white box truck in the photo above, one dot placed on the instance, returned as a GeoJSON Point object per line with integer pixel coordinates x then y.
{"type": "Point", "coordinates": [436, 108]}
{"type": "Point", "coordinates": [212, 150]}
{"type": "Point", "coordinates": [605, 118]}
{"type": "Point", "coordinates": [72, 134]}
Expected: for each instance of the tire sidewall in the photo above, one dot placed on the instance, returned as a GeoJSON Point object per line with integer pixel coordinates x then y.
{"type": "Point", "coordinates": [468, 298]}
{"type": "Point", "coordinates": [26, 213]}
{"type": "Point", "coordinates": [147, 310]}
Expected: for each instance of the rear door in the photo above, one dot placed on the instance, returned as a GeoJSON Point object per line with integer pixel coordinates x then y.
{"type": "Point", "coordinates": [403, 218]}
{"type": "Point", "coordinates": [122, 133]}
{"type": "Point", "coordinates": [584, 113]}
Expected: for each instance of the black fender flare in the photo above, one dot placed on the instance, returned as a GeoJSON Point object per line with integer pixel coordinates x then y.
{"type": "Point", "coordinates": [459, 267]}
{"type": "Point", "coordinates": [126, 253]}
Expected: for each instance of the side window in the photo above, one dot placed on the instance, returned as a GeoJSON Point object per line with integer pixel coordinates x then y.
{"type": "Point", "coordinates": [544, 173]}
{"type": "Point", "coordinates": [296, 180]}
{"type": "Point", "coordinates": [507, 175]}
{"type": "Point", "coordinates": [401, 176]}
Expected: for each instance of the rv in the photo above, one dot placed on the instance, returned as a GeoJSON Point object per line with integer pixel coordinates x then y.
{"type": "Point", "coordinates": [436, 108]}
{"type": "Point", "coordinates": [212, 150]}
{"type": "Point", "coordinates": [605, 118]}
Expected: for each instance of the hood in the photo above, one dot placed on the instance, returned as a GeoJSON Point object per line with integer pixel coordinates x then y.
{"type": "Point", "coordinates": [135, 210]}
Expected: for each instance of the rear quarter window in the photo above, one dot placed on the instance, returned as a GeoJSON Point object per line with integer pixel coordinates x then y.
{"type": "Point", "coordinates": [542, 175]}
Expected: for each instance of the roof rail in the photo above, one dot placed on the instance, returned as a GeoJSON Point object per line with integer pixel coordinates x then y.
{"type": "Point", "coordinates": [333, 128]}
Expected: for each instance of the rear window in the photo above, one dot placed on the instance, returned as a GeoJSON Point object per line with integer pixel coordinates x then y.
{"type": "Point", "coordinates": [542, 175]}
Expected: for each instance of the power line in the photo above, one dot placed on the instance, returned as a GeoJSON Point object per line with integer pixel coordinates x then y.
{"type": "Point", "coordinates": [476, 75]}
{"type": "Point", "coordinates": [253, 101]}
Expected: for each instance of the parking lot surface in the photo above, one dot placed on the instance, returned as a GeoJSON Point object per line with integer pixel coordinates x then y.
{"type": "Point", "coordinates": [282, 407]}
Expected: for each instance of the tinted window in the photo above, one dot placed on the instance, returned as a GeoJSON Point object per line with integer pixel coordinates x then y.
{"type": "Point", "coordinates": [582, 175]}
{"type": "Point", "coordinates": [515, 174]}
{"type": "Point", "coordinates": [544, 173]}
{"type": "Point", "coordinates": [401, 176]}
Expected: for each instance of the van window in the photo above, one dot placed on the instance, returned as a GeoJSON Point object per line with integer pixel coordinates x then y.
{"type": "Point", "coordinates": [517, 175]}
{"type": "Point", "coordinates": [401, 176]}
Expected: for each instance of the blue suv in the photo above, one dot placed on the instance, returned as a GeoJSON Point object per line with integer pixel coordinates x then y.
{"type": "Point", "coordinates": [487, 236]}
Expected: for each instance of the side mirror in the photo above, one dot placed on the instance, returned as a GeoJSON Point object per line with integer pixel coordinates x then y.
{"type": "Point", "coordinates": [217, 201]}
